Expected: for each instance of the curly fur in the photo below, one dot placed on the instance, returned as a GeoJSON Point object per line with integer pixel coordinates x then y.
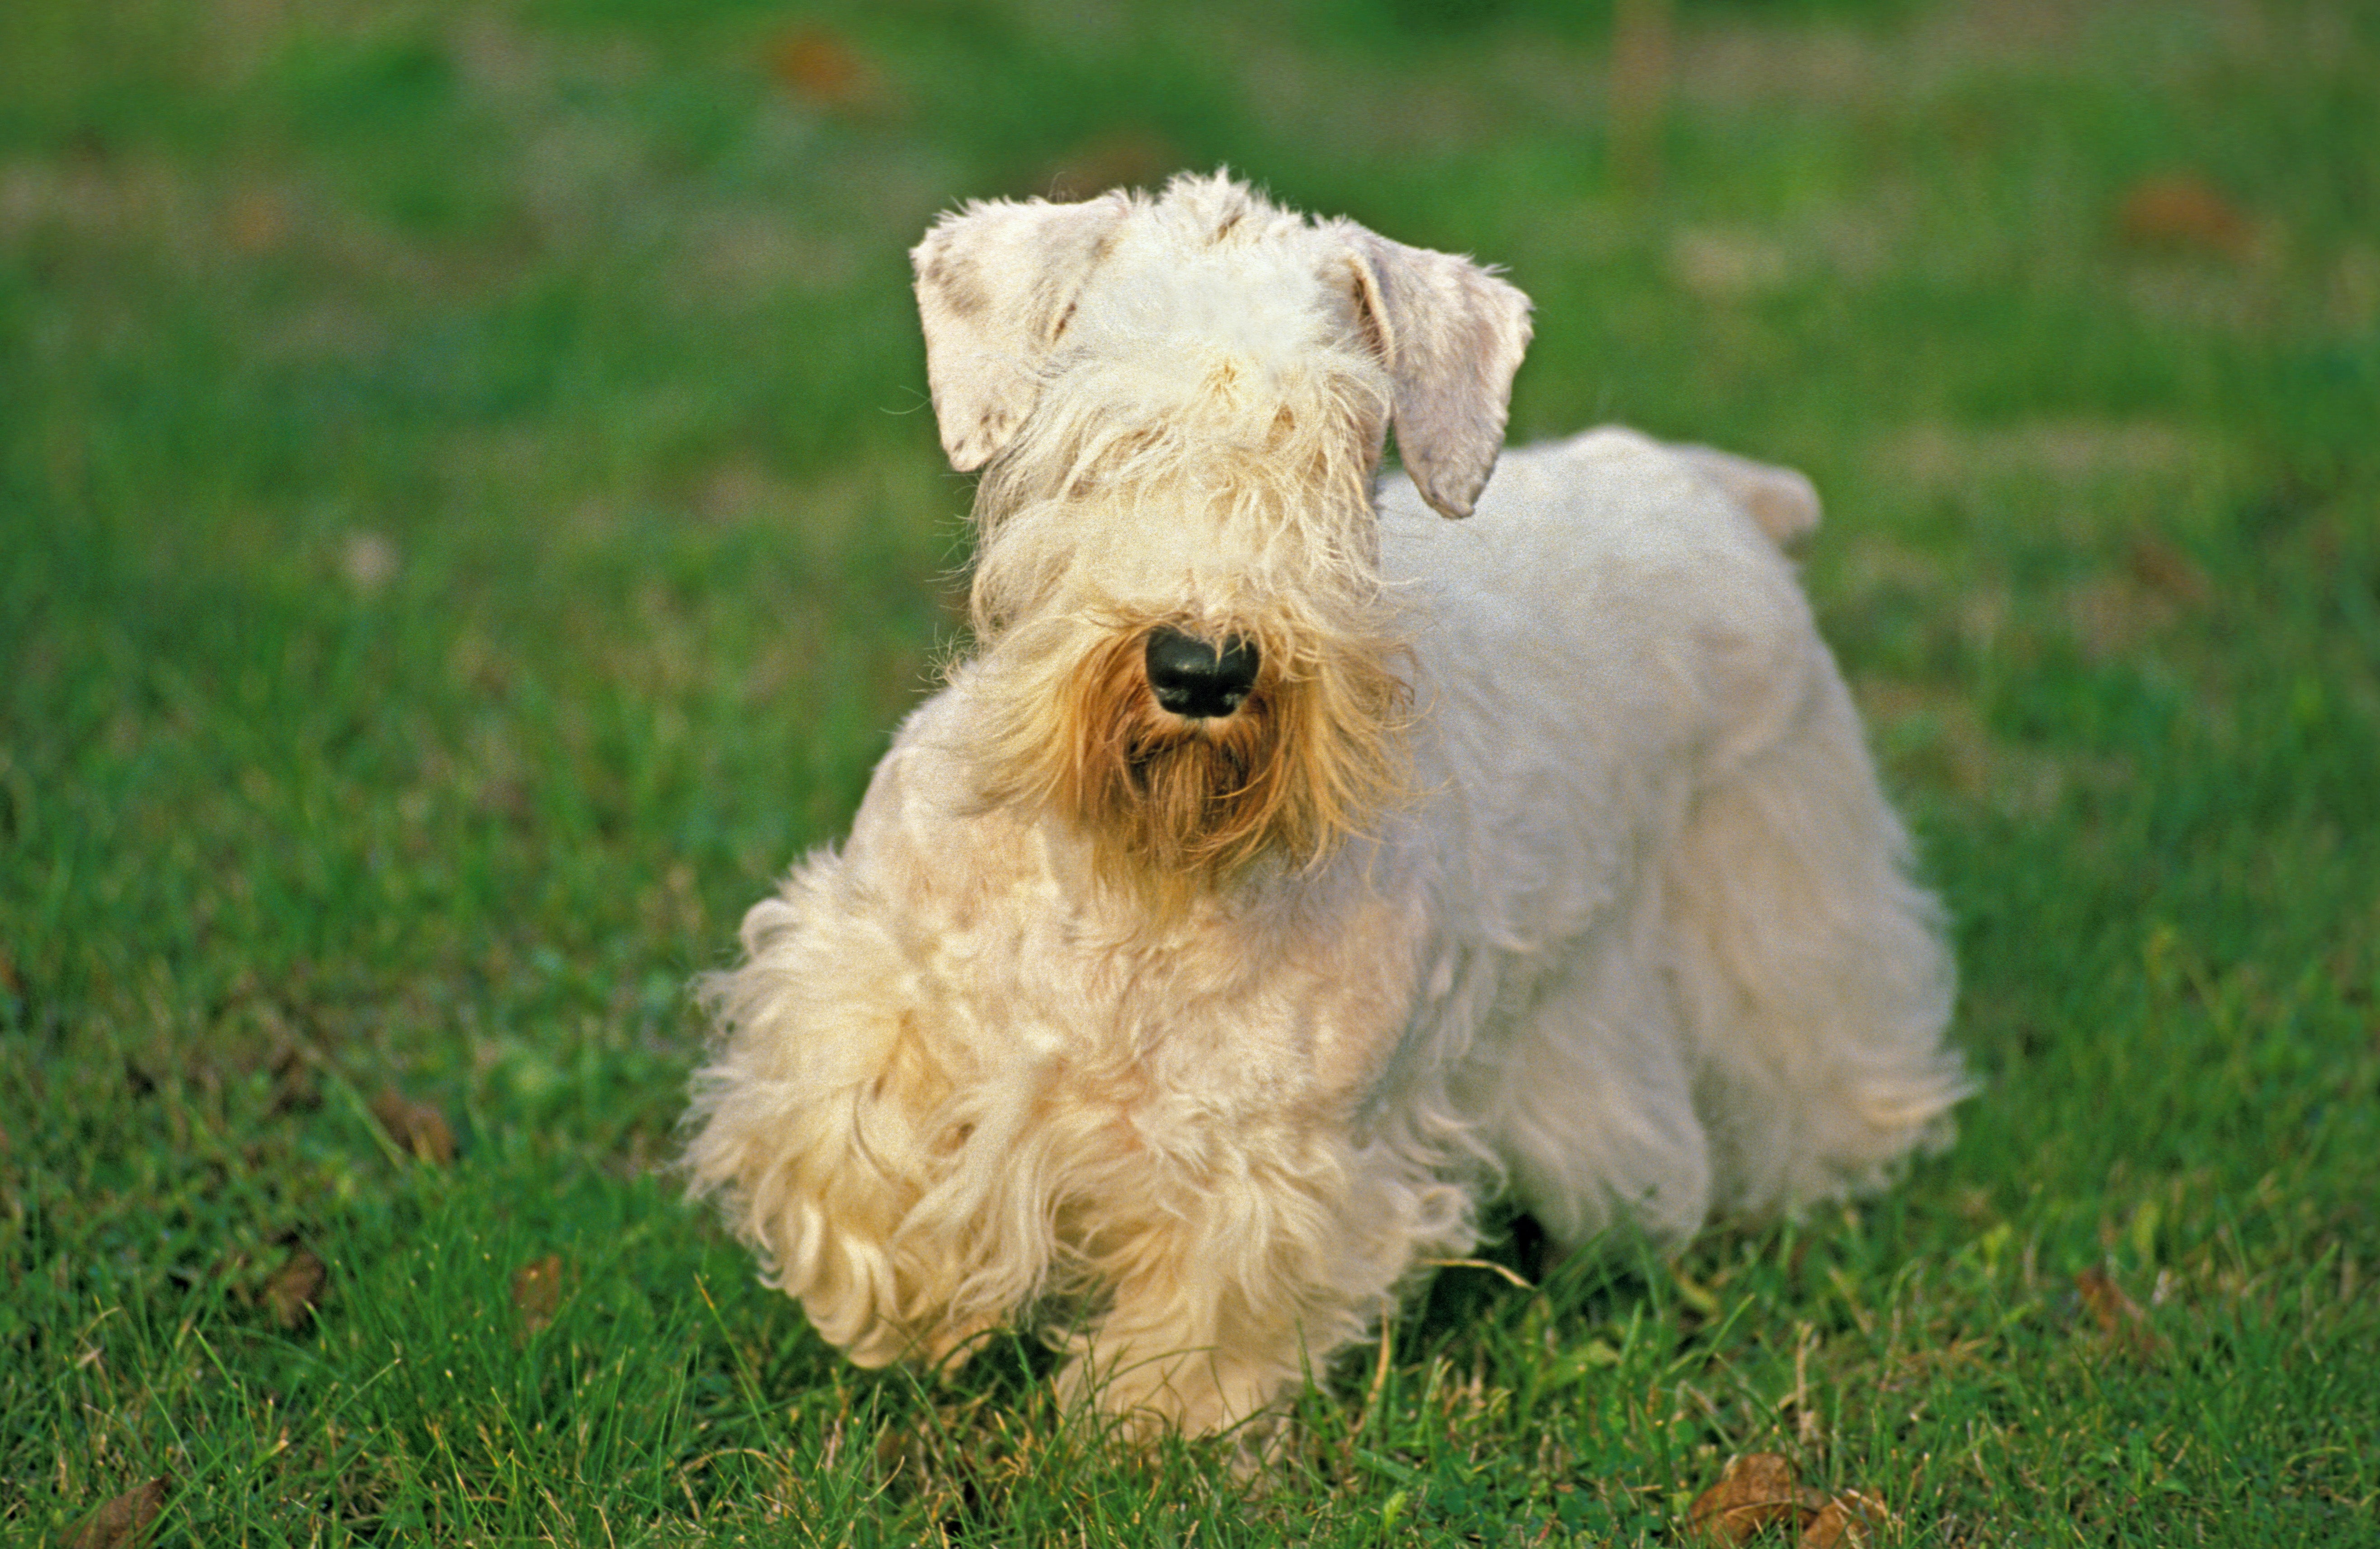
{"type": "Point", "coordinates": [1545, 855]}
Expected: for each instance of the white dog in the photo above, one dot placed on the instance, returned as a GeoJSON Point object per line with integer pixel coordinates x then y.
{"type": "Point", "coordinates": [1289, 869]}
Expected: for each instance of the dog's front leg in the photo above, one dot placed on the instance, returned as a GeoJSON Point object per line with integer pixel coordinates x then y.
{"type": "Point", "coordinates": [852, 1140]}
{"type": "Point", "coordinates": [1179, 1346]}
{"type": "Point", "coordinates": [1241, 1282]}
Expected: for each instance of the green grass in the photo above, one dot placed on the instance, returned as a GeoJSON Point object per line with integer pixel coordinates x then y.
{"type": "Point", "coordinates": [469, 519]}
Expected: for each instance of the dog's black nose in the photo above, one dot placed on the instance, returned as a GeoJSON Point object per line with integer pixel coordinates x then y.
{"type": "Point", "coordinates": [1193, 678]}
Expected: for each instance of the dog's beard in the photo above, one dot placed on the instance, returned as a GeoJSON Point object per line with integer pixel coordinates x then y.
{"type": "Point", "coordinates": [1173, 805]}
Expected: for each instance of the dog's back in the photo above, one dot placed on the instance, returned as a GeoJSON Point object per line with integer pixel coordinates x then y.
{"type": "Point", "coordinates": [1661, 858]}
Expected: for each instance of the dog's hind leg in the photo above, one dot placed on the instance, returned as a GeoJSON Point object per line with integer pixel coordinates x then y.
{"type": "Point", "coordinates": [1808, 967]}
{"type": "Point", "coordinates": [1592, 1105]}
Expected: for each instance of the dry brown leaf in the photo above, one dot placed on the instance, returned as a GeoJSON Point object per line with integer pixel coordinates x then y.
{"type": "Point", "coordinates": [1117, 159]}
{"type": "Point", "coordinates": [258, 220]}
{"type": "Point", "coordinates": [2166, 568]}
{"type": "Point", "coordinates": [417, 1128]}
{"type": "Point", "coordinates": [296, 1088]}
{"type": "Point", "coordinates": [822, 67]}
{"type": "Point", "coordinates": [1849, 1521]}
{"type": "Point", "coordinates": [2120, 1318]}
{"type": "Point", "coordinates": [537, 1292]}
{"type": "Point", "coordinates": [296, 1287]}
{"type": "Point", "coordinates": [123, 1521]}
{"type": "Point", "coordinates": [2181, 210]}
{"type": "Point", "coordinates": [1755, 1491]}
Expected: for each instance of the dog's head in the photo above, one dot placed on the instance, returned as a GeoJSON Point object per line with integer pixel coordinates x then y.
{"type": "Point", "coordinates": [1179, 404]}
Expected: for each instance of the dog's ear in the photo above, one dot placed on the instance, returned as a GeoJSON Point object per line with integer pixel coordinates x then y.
{"type": "Point", "coordinates": [1451, 335]}
{"type": "Point", "coordinates": [996, 285]}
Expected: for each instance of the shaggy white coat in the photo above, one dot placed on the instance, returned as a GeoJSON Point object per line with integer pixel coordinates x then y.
{"type": "Point", "coordinates": [1624, 925]}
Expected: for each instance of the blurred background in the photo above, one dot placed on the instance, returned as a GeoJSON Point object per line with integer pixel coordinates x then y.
{"type": "Point", "coordinates": [531, 391]}
{"type": "Point", "coordinates": [471, 516]}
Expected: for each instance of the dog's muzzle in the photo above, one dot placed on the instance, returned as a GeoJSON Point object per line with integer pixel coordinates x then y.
{"type": "Point", "coordinates": [1192, 678]}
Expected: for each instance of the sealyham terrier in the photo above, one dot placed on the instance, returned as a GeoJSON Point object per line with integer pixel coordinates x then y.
{"type": "Point", "coordinates": [1289, 870]}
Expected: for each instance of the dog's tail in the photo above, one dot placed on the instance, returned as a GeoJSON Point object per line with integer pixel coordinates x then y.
{"type": "Point", "coordinates": [1781, 501]}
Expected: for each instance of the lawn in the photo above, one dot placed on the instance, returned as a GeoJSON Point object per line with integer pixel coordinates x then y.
{"type": "Point", "coordinates": [470, 519]}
